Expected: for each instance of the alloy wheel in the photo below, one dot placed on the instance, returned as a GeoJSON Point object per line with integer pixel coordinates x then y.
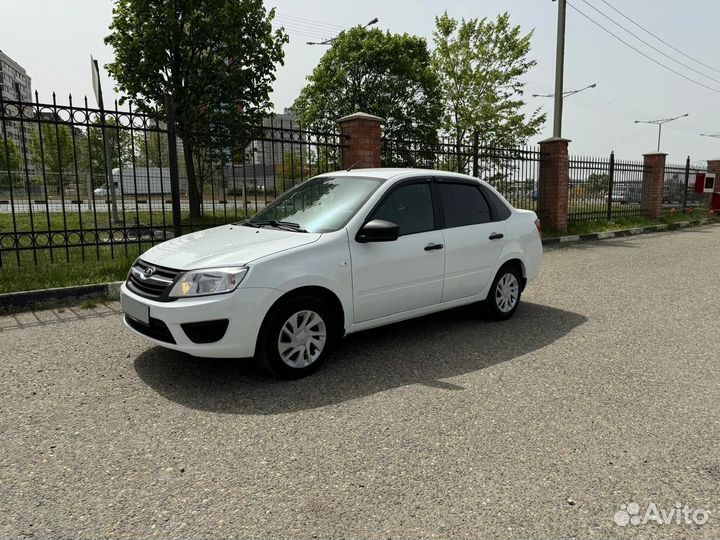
{"type": "Point", "coordinates": [507, 293]}
{"type": "Point", "coordinates": [302, 339]}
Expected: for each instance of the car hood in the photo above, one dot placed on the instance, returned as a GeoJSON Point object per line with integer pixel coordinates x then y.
{"type": "Point", "coordinates": [228, 245]}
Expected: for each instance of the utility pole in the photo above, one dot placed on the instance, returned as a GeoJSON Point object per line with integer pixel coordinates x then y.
{"type": "Point", "coordinates": [559, 68]}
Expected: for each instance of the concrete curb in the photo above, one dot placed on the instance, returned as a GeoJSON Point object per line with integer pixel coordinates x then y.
{"type": "Point", "coordinates": [28, 300]}
{"type": "Point", "coordinates": [579, 238]}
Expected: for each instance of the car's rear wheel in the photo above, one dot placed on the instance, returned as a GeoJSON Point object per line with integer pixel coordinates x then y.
{"type": "Point", "coordinates": [296, 338]}
{"type": "Point", "coordinates": [504, 296]}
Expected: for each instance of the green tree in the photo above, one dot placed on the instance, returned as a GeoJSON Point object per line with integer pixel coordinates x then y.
{"type": "Point", "coordinates": [388, 75]}
{"type": "Point", "coordinates": [151, 149]}
{"type": "Point", "coordinates": [598, 183]}
{"type": "Point", "coordinates": [91, 150]}
{"type": "Point", "coordinates": [480, 63]}
{"type": "Point", "coordinates": [216, 58]}
{"type": "Point", "coordinates": [52, 152]}
{"type": "Point", "coordinates": [294, 169]}
{"type": "Point", "coordinates": [9, 163]}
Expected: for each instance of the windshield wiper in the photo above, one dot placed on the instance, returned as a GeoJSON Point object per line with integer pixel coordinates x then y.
{"type": "Point", "coordinates": [284, 225]}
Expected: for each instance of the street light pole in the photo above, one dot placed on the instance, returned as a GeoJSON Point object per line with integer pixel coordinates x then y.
{"type": "Point", "coordinates": [559, 69]}
{"type": "Point", "coordinates": [659, 124]}
{"type": "Point", "coordinates": [568, 93]}
{"type": "Point", "coordinates": [331, 40]}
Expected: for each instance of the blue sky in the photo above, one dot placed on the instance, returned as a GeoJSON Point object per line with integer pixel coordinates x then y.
{"type": "Point", "coordinates": [53, 40]}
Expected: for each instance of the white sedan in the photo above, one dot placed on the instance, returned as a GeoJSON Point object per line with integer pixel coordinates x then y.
{"type": "Point", "coordinates": [337, 254]}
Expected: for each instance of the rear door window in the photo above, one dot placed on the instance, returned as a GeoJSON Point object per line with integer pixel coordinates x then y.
{"type": "Point", "coordinates": [463, 204]}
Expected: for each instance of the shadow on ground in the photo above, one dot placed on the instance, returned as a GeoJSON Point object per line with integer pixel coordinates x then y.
{"type": "Point", "coordinates": [420, 351]}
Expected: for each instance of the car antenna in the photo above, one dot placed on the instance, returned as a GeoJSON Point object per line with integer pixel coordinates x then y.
{"type": "Point", "coordinates": [367, 155]}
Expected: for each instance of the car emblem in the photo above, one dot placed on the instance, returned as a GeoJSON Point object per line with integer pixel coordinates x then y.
{"type": "Point", "coordinates": [149, 271]}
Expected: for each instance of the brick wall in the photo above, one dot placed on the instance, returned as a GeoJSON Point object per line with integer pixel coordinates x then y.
{"type": "Point", "coordinates": [653, 183]}
{"type": "Point", "coordinates": [553, 184]}
{"type": "Point", "coordinates": [361, 134]}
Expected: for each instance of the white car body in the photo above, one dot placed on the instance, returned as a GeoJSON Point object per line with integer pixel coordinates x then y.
{"type": "Point", "coordinates": [373, 283]}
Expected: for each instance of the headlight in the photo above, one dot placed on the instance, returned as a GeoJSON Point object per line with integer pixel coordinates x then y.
{"type": "Point", "coordinates": [208, 281]}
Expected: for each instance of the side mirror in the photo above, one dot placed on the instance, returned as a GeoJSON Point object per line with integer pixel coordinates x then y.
{"type": "Point", "coordinates": [378, 230]}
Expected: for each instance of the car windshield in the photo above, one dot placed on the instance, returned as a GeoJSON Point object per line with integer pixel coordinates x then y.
{"type": "Point", "coordinates": [321, 204]}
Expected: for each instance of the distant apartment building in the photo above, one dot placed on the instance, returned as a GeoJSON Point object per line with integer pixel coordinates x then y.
{"type": "Point", "coordinates": [14, 83]}
{"type": "Point", "coordinates": [277, 140]}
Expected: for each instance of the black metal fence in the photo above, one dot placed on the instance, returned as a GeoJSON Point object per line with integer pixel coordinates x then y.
{"type": "Point", "coordinates": [514, 172]}
{"type": "Point", "coordinates": [78, 183]}
{"type": "Point", "coordinates": [605, 189]}
{"type": "Point", "coordinates": [679, 186]}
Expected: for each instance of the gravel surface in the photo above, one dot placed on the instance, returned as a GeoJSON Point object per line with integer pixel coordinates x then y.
{"type": "Point", "coordinates": [603, 390]}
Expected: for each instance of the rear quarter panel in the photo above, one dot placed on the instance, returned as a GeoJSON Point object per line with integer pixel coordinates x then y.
{"type": "Point", "coordinates": [523, 242]}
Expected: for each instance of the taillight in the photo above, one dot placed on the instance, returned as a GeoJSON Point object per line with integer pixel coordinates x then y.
{"type": "Point", "coordinates": [538, 226]}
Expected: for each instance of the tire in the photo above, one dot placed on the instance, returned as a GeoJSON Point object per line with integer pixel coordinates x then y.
{"type": "Point", "coordinates": [296, 338]}
{"type": "Point", "coordinates": [504, 296]}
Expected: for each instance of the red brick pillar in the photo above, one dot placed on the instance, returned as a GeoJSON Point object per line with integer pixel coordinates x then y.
{"type": "Point", "coordinates": [361, 139]}
{"type": "Point", "coordinates": [653, 183]}
{"type": "Point", "coordinates": [713, 167]}
{"type": "Point", "coordinates": [553, 184]}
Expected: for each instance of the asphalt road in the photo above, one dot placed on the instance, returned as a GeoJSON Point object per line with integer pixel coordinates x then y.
{"type": "Point", "coordinates": [603, 390]}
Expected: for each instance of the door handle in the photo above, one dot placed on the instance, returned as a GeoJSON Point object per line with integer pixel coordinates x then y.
{"type": "Point", "coordinates": [432, 247]}
{"type": "Point", "coordinates": [496, 236]}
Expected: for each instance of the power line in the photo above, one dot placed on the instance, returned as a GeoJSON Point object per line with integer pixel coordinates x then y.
{"type": "Point", "coordinates": [293, 31]}
{"type": "Point", "coordinates": [658, 37]}
{"type": "Point", "coordinates": [650, 45]}
{"type": "Point", "coordinates": [642, 53]}
{"type": "Point", "coordinates": [304, 26]}
{"type": "Point", "coordinates": [310, 21]}
{"type": "Point", "coordinates": [604, 106]}
{"type": "Point", "coordinates": [595, 102]}
{"type": "Point", "coordinates": [617, 144]}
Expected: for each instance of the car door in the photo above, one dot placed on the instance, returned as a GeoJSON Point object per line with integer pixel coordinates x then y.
{"type": "Point", "coordinates": [405, 274]}
{"type": "Point", "coordinates": [473, 241]}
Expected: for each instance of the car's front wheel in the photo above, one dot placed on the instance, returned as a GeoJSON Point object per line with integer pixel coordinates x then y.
{"type": "Point", "coordinates": [504, 296]}
{"type": "Point", "coordinates": [296, 338]}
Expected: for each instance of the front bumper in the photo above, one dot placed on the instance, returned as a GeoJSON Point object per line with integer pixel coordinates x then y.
{"type": "Point", "coordinates": [244, 309]}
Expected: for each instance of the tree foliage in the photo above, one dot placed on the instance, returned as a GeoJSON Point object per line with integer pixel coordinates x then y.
{"type": "Point", "coordinates": [10, 156]}
{"type": "Point", "coordinates": [598, 182]}
{"type": "Point", "coordinates": [9, 163]}
{"type": "Point", "coordinates": [368, 70]}
{"type": "Point", "coordinates": [151, 149]}
{"type": "Point", "coordinates": [216, 58]}
{"type": "Point", "coordinates": [480, 63]}
{"type": "Point", "coordinates": [52, 152]}
{"type": "Point", "coordinates": [92, 150]}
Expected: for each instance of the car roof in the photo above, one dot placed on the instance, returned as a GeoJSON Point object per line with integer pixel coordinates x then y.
{"type": "Point", "coordinates": [387, 173]}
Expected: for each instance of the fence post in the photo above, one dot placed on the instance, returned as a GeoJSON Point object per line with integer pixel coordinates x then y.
{"type": "Point", "coordinates": [554, 183]}
{"type": "Point", "coordinates": [611, 179]}
{"type": "Point", "coordinates": [653, 183]}
{"type": "Point", "coordinates": [361, 139]}
{"type": "Point", "coordinates": [173, 164]}
{"type": "Point", "coordinates": [476, 157]}
{"type": "Point", "coordinates": [687, 182]}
